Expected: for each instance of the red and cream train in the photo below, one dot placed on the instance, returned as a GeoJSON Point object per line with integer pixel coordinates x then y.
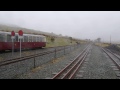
{"type": "Point", "coordinates": [29, 41]}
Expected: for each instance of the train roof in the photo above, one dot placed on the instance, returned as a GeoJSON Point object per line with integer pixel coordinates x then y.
{"type": "Point", "coordinates": [32, 35]}
{"type": "Point", "coordinates": [5, 32]}
{"type": "Point", "coordinates": [23, 34]}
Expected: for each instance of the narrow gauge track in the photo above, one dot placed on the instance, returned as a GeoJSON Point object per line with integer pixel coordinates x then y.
{"type": "Point", "coordinates": [113, 57]}
{"type": "Point", "coordinates": [71, 69]}
{"type": "Point", "coordinates": [10, 61]}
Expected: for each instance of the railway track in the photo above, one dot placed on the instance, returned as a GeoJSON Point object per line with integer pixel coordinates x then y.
{"type": "Point", "coordinates": [71, 69]}
{"type": "Point", "coordinates": [113, 57]}
{"type": "Point", "coordinates": [6, 62]}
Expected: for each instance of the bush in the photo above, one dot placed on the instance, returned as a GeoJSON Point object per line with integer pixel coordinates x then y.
{"type": "Point", "coordinates": [52, 39]}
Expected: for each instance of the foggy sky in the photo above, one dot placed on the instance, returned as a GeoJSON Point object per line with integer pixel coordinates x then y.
{"type": "Point", "coordinates": [78, 24]}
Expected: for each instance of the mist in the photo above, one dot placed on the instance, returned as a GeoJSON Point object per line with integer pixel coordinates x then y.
{"type": "Point", "coordinates": [77, 24]}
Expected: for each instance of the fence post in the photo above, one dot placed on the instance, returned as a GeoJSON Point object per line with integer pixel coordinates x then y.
{"type": "Point", "coordinates": [74, 46]}
{"type": "Point", "coordinates": [64, 50]}
{"type": "Point", "coordinates": [70, 47]}
{"type": "Point", "coordinates": [55, 54]}
{"type": "Point", "coordinates": [34, 62]}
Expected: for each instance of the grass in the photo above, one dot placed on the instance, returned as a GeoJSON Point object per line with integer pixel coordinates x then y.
{"type": "Point", "coordinates": [59, 41]}
{"type": "Point", "coordinates": [102, 44]}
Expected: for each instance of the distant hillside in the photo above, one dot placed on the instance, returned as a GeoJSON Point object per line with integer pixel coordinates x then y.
{"type": "Point", "coordinates": [59, 39]}
{"type": "Point", "coordinates": [10, 28]}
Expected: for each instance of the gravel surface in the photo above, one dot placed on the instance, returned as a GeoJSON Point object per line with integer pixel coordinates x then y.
{"type": "Point", "coordinates": [48, 69]}
{"type": "Point", "coordinates": [97, 66]}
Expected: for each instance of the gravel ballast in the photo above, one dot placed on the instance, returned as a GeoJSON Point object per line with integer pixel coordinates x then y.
{"type": "Point", "coordinates": [48, 70]}
{"type": "Point", "coordinates": [98, 66]}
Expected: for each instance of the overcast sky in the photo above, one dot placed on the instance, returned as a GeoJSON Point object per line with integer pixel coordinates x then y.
{"type": "Point", "coordinates": [78, 24]}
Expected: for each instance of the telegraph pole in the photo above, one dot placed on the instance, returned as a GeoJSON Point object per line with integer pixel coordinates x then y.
{"type": "Point", "coordinates": [110, 39]}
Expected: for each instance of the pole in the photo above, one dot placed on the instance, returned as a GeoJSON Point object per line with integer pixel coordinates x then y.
{"type": "Point", "coordinates": [20, 47]}
{"type": "Point", "coordinates": [55, 54]}
{"type": "Point", "coordinates": [64, 50]}
{"type": "Point", "coordinates": [12, 46]}
{"type": "Point", "coordinates": [110, 39]}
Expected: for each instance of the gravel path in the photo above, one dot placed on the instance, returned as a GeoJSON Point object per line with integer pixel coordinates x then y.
{"type": "Point", "coordinates": [97, 66]}
{"type": "Point", "coordinates": [47, 70]}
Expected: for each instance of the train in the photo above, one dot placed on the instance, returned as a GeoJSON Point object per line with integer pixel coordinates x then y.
{"type": "Point", "coordinates": [29, 41]}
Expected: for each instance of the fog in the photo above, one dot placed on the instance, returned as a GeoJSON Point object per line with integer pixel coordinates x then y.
{"type": "Point", "coordinates": [77, 24]}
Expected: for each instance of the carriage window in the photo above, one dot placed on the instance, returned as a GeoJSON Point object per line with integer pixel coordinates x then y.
{"type": "Point", "coordinates": [25, 38]}
{"type": "Point", "coordinates": [38, 39]}
{"type": "Point", "coordinates": [21, 40]}
{"type": "Point", "coordinates": [30, 38]}
{"type": "Point", "coordinates": [41, 39]}
{"type": "Point", "coordinates": [9, 38]}
{"type": "Point", "coordinates": [2, 37]}
{"type": "Point", "coordinates": [34, 39]}
{"type": "Point", "coordinates": [18, 40]}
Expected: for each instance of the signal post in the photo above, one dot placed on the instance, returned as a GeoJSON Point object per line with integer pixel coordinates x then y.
{"type": "Point", "coordinates": [20, 37]}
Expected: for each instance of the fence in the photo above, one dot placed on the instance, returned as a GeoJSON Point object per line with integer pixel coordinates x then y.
{"type": "Point", "coordinates": [14, 67]}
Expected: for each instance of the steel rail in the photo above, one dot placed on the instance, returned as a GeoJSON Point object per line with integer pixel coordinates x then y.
{"type": "Point", "coordinates": [112, 58]}
{"type": "Point", "coordinates": [69, 65]}
{"type": "Point", "coordinates": [75, 68]}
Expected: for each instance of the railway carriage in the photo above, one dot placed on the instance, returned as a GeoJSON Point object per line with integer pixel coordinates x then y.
{"type": "Point", "coordinates": [29, 41]}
